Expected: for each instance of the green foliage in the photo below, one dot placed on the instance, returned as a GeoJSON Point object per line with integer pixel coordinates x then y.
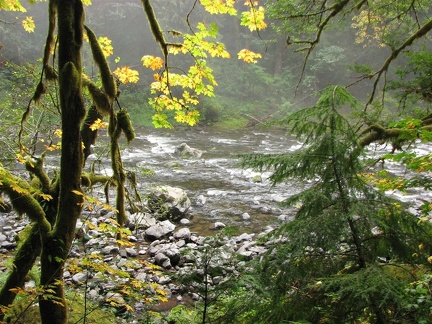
{"type": "Point", "coordinates": [328, 263]}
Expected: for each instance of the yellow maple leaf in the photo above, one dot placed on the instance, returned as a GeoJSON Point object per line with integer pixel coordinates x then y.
{"type": "Point", "coordinates": [105, 44]}
{"type": "Point", "coordinates": [98, 124]}
{"type": "Point", "coordinates": [51, 147]}
{"type": "Point", "coordinates": [58, 133]}
{"type": "Point", "coordinates": [254, 18]}
{"type": "Point", "coordinates": [127, 75]}
{"type": "Point", "coordinates": [152, 62]}
{"type": "Point", "coordinates": [248, 56]}
{"type": "Point", "coordinates": [28, 24]}
{"type": "Point", "coordinates": [12, 5]}
{"type": "Point", "coordinates": [219, 6]}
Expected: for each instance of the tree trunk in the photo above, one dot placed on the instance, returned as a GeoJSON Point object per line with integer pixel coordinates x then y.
{"type": "Point", "coordinates": [55, 247]}
{"type": "Point", "coordinates": [25, 257]}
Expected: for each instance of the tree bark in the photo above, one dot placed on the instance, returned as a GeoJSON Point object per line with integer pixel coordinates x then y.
{"type": "Point", "coordinates": [56, 245]}
{"type": "Point", "coordinates": [24, 259]}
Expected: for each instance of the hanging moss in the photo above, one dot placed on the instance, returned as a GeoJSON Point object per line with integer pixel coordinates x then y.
{"type": "Point", "coordinates": [100, 60]}
{"type": "Point", "coordinates": [41, 89]}
{"type": "Point", "coordinates": [100, 99]}
{"type": "Point", "coordinates": [154, 26]}
{"type": "Point", "coordinates": [69, 79]}
{"type": "Point", "coordinates": [50, 73]}
{"type": "Point", "coordinates": [49, 43]}
{"type": "Point", "coordinates": [125, 124]}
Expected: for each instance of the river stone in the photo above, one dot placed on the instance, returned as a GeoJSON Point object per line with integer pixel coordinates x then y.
{"type": "Point", "coordinates": [169, 202]}
{"type": "Point", "coordinates": [131, 252]}
{"type": "Point", "coordinates": [245, 216]}
{"type": "Point", "coordinates": [201, 200]}
{"type": "Point", "coordinates": [110, 249]}
{"type": "Point", "coordinates": [140, 221]}
{"type": "Point", "coordinates": [182, 234]}
{"type": "Point", "coordinates": [185, 151]}
{"type": "Point", "coordinates": [163, 260]}
{"type": "Point", "coordinates": [219, 225]}
{"type": "Point", "coordinates": [79, 277]}
{"type": "Point", "coordinates": [115, 297]}
{"type": "Point", "coordinates": [159, 230]}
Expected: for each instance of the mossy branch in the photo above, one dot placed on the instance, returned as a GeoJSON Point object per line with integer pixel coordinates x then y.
{"type": "Point", "coordinates": [23, 202]}
{"type": "Point", "coordinates": [108, 83]}
{"type": "Point", "coordinates": [378, 133]}
{"type": "Point", "coordinates": [35, 167]}
{"type": "Point", "coordinates": [155, 28]}
{"type": "Point", "coordinates": [99, 97]}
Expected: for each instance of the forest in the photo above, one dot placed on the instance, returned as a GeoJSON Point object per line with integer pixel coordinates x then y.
{"type": "Point", "coordinates": [215, 161]}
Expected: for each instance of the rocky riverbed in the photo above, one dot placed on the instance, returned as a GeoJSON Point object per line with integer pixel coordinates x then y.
{"type": "Point", "coordinates": [153, 257]}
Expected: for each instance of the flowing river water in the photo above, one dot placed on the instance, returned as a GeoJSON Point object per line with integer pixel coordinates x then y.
{"type": "Point", "coordinates": [219, 189]}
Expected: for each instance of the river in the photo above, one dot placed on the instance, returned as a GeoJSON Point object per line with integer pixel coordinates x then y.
{"type": "Point", "coordinates": [220, 190]}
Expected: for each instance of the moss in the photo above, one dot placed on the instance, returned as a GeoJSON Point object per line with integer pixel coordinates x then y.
{"type": "Point", "coordinates": [41, 89]}
{"type": "Point", "coordinates": [100, 99]}
{"type": "Point", "coordinates": [125, 124]}
{"type": "Point", "coordinates": [100, 60]}
{"type": "Point", "coordinates": [154, 26]}
{"type": "Point", "coordinates": [50, 73]}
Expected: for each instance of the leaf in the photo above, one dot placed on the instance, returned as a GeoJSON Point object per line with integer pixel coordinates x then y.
{"type": "Point", "coordinates": [254, 18]}
{"type": "Point", "coordinates": [105, 44]}
{"type": "Point", "coordinates": [12, 5]}
{"type": "Point", "coordinates": [219, 7]}
{"type": "Point", "coordinates": [28, 24]}
{"type": "Point", "coordinates": [152, 62]}
{"type": "Point", "coordinates": [98, 124]}
{"type": "Point", "coordinates": [248, 56]}
{"type": "Point", "coordinates": [127, 75]}
{"type": "Point", "coordinates": [45, 196]}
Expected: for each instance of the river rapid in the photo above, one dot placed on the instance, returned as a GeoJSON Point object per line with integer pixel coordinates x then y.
{"type": "Point", "coordinates": [219, 189]}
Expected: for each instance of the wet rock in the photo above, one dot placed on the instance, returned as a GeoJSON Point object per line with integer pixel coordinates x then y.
{"type": "Point", "coordinates": [163, 260]}
{"type": "Point", "coordinates": [159, 230]}
{"type": "Point", "coordinates": [219, 225]}
{"type": "Point", "coordinates": [169, 202]}
{"type": "Point", "coordinates": [80, 277]}
{"type": "Point", "coordinates": [131, 252]}
{"type": "Point", "coordinates": [201, 200]}
{"type": "Point", "coordinates": [115, 297]}
{"type": "Point", "coordinates": [184, 221]}
{"type": "Point", "coordinates": [245, 216]}
{"type": "Point", "coordinates": [110, 249]}
{"type": "Point", "coordinates": [183, 234]}
{"type": "Point", "coordinates": [141, 221]}
{"type": "Point", "coordinates": [185, 151]}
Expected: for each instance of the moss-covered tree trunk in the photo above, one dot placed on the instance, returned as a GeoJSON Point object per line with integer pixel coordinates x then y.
{"type": "Point", "coordinates": [56, 245]}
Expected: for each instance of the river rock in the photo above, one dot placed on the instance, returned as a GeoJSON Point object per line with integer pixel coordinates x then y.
{"type": "Point", "coordinates": [159, 230]}
{"type": "Point", "coordinates": [183, 234]}
{"type": "Point", "coordinates": [245, 216]}
{"type": "Point", "coordinates": [169, 202]}
{"type": "Point", "coordinates": [185, 151]}
{"type": "Point", "coordinates": [219, 225]}
{"type": "Point", "coordinates": [163, 260]}
{"type": "Point", "coordinates": [140, 221]}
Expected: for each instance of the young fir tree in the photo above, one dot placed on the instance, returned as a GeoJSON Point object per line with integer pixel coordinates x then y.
{"type": "Point", "coordinates": [351, 252]}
